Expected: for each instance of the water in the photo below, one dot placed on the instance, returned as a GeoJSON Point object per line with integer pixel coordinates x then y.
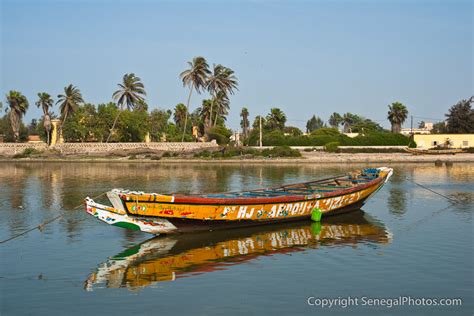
{"type": "Point", "coordinates": [406, 242]}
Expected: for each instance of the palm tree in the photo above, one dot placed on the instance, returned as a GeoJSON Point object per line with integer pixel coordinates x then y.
{"type": "Point", "coordinates": [348, 119]}
{"type": "Point", "coordinates": [335, 120]}
{"type": "Point", "coordinates": [18, 105]}
{"type": "Point", "coordinates": [195, 78]}
{"type": "Point", "coordinates": [222, 106]}
{"type": "Point", "coordinates": [244, 123]}
{"type": "Point", "coordinates": [204, 111]}
{"type": "Point", "coordinates": [230, 83]}
{"type": "Point", "coordinates": [131, 93]}
{"type": "Point", "coordinates": [276, 119]}
{"type": "Point", "coordinates": [45, 102]}
{"type": "Point", "coordinates": [180, 114]}
{"type": "Point", "coordinates": [397, 114]}
{"type": "Point", "coordinates": [69, 101]}
{"type": "Point", "coordinates": [221, 79]}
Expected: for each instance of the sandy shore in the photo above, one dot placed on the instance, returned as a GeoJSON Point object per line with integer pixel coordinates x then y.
{"type": "Point", "coordinates": [307, 157]}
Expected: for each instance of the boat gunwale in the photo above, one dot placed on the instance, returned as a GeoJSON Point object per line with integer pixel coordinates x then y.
{"type": "Point", "coordinates": [192, 200]}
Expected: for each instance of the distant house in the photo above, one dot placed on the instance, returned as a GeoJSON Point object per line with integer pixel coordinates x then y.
{"type": "Point", "coordinates": [454, 140]}
{"type": "Point", "coordinates": [425, 130]}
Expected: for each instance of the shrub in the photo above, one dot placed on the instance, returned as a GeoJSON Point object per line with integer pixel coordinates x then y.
{"type": "Point", "coordinates": [330, 131]}
{"type": "Point", "coordinates": [281, 151]}
{"type": "Point", "coordinates": [220, 134]}
{"type": "Point", "coordinates": [332, 147]}
{"type": "Point", "coordinates": [27, 152]}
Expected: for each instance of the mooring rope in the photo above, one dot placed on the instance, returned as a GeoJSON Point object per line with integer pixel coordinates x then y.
{"type": "Point", "coordinates": [40, 226]}
{"type": "Point", "coordinates": [433, 191]}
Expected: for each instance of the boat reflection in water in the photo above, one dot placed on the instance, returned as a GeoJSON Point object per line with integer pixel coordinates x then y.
{"type": "Point", "coordinates": [169, 258]}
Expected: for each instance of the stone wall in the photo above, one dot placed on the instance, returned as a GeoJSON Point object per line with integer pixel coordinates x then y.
{"type": "Point", "coordinates": [10, 149]}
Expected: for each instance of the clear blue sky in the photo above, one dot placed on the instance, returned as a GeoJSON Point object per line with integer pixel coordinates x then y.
{"type": "Point", "coordinates": [306, 57]}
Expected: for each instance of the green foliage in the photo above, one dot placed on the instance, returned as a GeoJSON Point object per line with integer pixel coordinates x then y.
{"type": "Point", "coordinates": [221, 134]}
{"type": "Point", "coordinates": [132, 126]}
{"type": "Point", "coordinates": [331, 147]}
{"type": "Point", "coordinates": [276, 119]}
{"type": "Point", "coordinates": [256, 122]}
{"type": "Point", "coordinates": [294, 131]}
{"type": "Point", "coordinates": [159, 123]}
{"type": "Point", "coordinates": [328, 131]}
{"type": "Point", "coordinates": [365, 125]}
{"type": "Point", "coordinates": [27, 152]}
{"type": "Point", "coordinates": [369, 139]}
{"type": "Point", "coordinates": [87, 124]}
{"type": "Point", "coordinates": [7, 132]}
{"type": "Point", "coordinates": [335, 120]}
{"type": "Point", "coordinates": [79, 126]}
{"type": "Point", "coordinates": [246, 152]}
{"type": "Point", "coordinates": [397, 114]}
{"type": "Point", "coordinates": [460, 118]}
{"type": "Point", "coordinates": [281, 151]}
{"type": "Point", "coordinates": [439, 128]}
{"type": "Point", "coordinates": [314, 123]}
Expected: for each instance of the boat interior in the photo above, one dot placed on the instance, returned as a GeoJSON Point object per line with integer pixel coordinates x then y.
{"type": "Point", "coordinates": [306, 188]}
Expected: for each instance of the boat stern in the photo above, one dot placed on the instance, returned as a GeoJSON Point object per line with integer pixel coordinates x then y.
{"type": "Point", "coordinates": [119, 218]}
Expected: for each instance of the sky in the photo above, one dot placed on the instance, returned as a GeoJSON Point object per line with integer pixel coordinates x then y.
{"type": "Point", "coordinates": [305, 57]}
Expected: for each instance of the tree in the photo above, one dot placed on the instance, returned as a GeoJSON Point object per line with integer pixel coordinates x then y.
{"type": "Point", "coordinates": [422, 124]}
{"type": "Point", "coordinates": [180, 114]}
{"type": "Point", "coordinates": [292, 130]}
{"type": "Point", "coordinates": [335, 120]}
{"type": "Point", "coordinates": [460, 118]}
{"type": "Point", "coordinates": [397, 114]}
{"type": "Point", "coordinates": [69, 101]}
{"type": "Point", "coordinates": [244, 123]}
{"type": "Point", "coordinates": [256, 122]}
{"type": "Point", "coordinates": [159, 122]}
{"type": "Point", "coordinates": [276, 119]}
{"type": "Point", "coordinates": [6, 129]}
{"type": "Point", "coordinates": [439, 128]}
{"type": "Point", "coordinates": [221, 79]}
{"type": "Point", "coordinates": [33, 127]}
{"type": "Point", "coordinates": [131, 93]}
{"type": "Point", "coordinates": [314, 123]}
{"type": "Point", "coordinates": [80, 125]}
{"type": "Point", "coordinates": [365, 125]}
{"type": "Point", "coordinates": [222, 107]}
{"type": "Point", "coordinates": [195, 78]}
{"type": "Point", "coordinates": [18, 105]}
{"type": "Point", "coordinates": [45, 102]}
{"type": "Point", "coordinates": [349, 119]}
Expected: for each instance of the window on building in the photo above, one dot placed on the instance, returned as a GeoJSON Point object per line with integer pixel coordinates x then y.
{"type": "Point", "coordinates": [465, 143]}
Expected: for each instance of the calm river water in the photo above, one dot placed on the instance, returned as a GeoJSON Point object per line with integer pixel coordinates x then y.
{"type": "Point", "coordinates": [406, 242]}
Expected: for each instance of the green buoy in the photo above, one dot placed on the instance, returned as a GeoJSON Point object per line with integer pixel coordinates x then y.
{"type": "Point", "coordinates": [316, 214]}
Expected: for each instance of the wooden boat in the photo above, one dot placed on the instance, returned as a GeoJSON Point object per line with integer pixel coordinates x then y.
{"type": "Point", "coordinates": [174, 213]}
{"type": "Point", "coordinates": [170, 258]}
{"type": "Point", "coordinates": [417, 151]}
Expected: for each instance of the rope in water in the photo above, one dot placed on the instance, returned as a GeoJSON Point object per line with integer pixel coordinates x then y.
{"type": "Point", "coordinates": [40, 226]}
{"type": "Point", "coordinates": [433, 191]}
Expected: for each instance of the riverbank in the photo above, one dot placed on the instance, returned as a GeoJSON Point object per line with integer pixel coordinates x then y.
{"type": "Point", "coordinates": [306, 157]}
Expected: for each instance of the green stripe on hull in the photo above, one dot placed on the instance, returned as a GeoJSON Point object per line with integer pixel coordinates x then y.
{"type": "Point", "coordinates": [127, 225]}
